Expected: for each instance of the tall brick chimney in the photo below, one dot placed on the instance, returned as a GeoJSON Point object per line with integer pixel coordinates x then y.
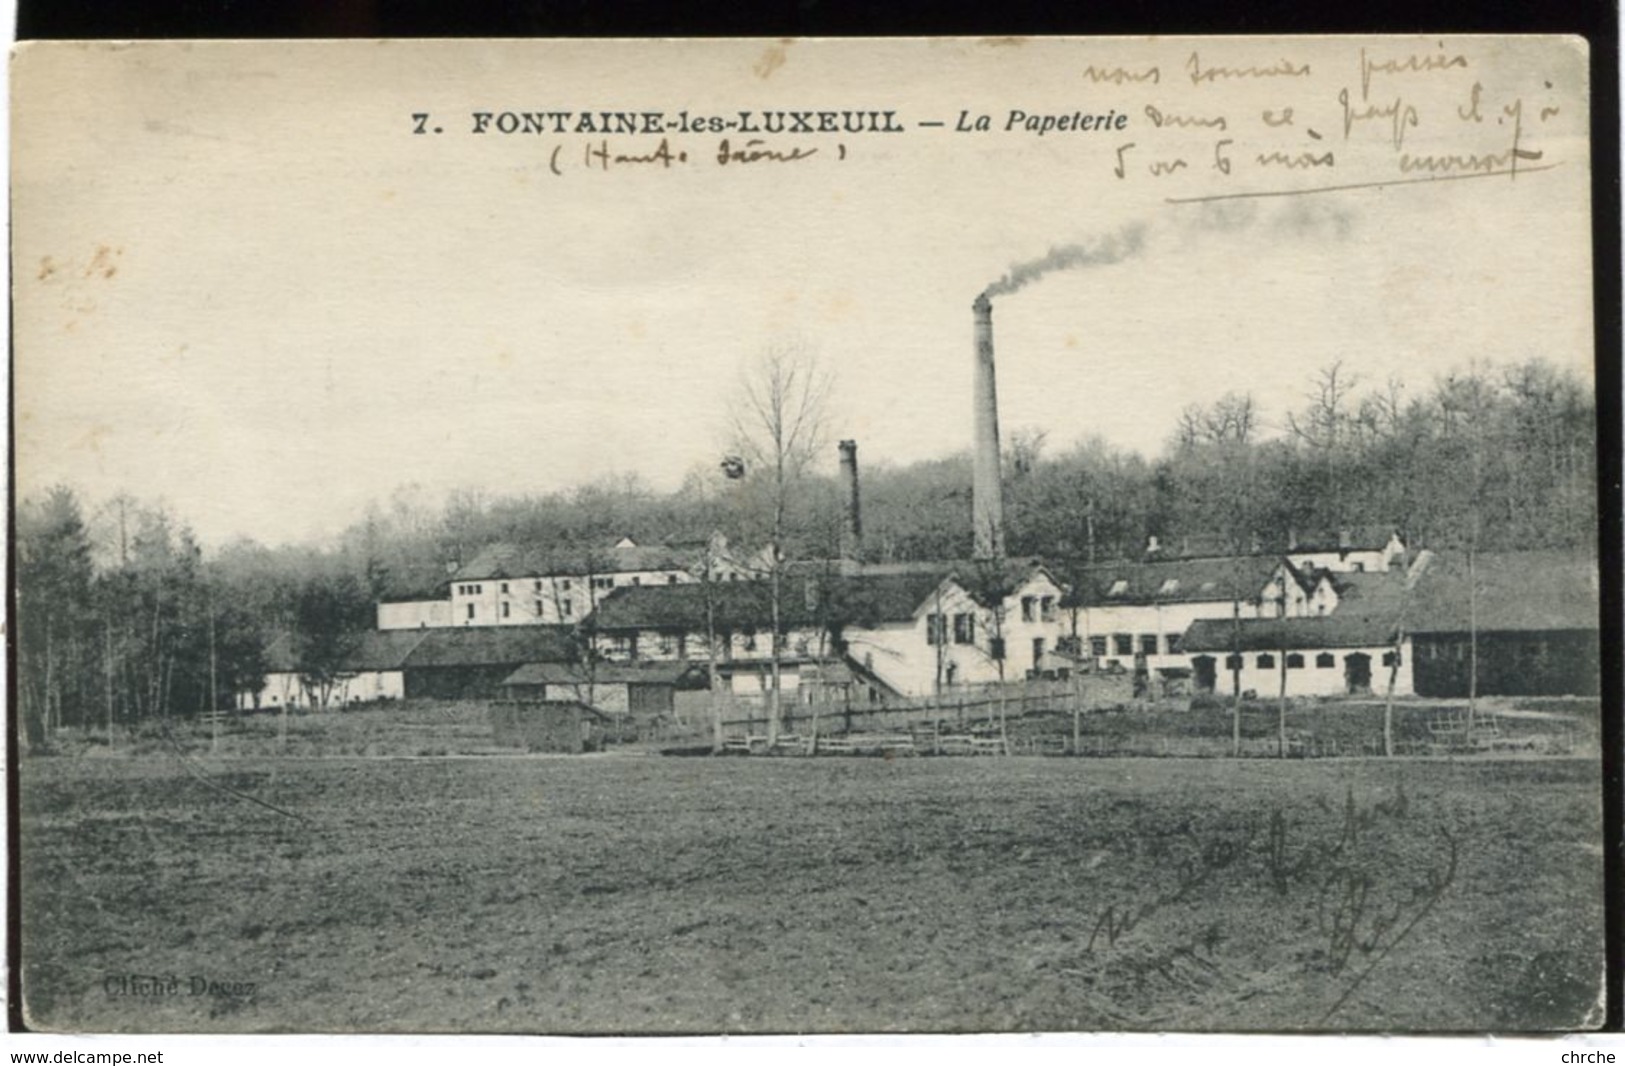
{"type": "Point", "coordinates": [987, 489]}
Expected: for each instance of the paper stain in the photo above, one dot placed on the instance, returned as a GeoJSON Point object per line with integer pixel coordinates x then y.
{"type": "Point", "coordinates": [91, 440]}
{"type": "Point", "coordinates": [103, 264]}
{"type": "Point", "coordinates": [771, 60]}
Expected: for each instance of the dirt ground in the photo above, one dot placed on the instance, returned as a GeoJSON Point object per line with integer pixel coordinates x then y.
{"type": "Point", "coordinates": [628, 893]}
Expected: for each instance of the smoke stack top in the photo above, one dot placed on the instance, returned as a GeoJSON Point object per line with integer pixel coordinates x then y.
{"type": "Point", "coordinates": [1114, 248]}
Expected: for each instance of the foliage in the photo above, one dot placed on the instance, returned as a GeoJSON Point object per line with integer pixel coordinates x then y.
{"type": "Point", "coordinates": [115, 611]}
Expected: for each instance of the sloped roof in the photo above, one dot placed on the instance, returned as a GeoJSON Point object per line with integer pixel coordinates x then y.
{"type": "Point", "coordinates": [385, 650]}
{"type": "Point", "coordinates": [1516, 591]}
{"type": "Point", "coordinates": [496, 562]}
{"type": "Point", "coordinates": [491, 646]}
{"type": "Point", "coordinates": [372, 650]}
{"type": "Point", "coordinates": [806, 599]}
{"type": "Point", "coordinates": [881, 598]}
{"type": "Point", "coordinates": [1334, 630]}
{"type": "Point", "coordinates": [563, 673]}
{"type": "Point", "coordinates": [734, 605]}
{"type": "Point", "coordinates": [1200, 580]}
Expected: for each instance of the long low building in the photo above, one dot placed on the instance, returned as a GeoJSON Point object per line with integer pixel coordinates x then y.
{"type": "Point", "coordinates": [408, 664]}
{"type": "Point", "coordinates": [1328, 656]}
{"type": "Point", "coordinates": [1530, 621]}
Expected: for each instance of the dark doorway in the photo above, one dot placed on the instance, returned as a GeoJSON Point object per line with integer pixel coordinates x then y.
{"type": "Point", "coordinates": [1357, 671]}
{"type": "Point", "coordinates": [1207, 675]}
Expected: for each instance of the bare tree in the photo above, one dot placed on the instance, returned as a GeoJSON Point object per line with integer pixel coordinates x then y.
{"type": "Point", "coordinates": [1322, 424]}
{"type": "Point", "coordinates": [778, 423]}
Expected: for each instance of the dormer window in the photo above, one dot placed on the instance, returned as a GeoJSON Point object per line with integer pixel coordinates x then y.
{"type": "Point", "coordinates": [1169, 587]}
{"type": "Point", "coordinates": [1119, 587]}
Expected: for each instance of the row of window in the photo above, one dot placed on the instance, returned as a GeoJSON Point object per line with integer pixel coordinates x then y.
{"type": "Point", "coordinates": [675, 642]}
{"type": "Point", "coordinates": [1295, 661]}
{"type": "Point", "coordinates": [1038, 608]}
{"type": "Point", "coordinates": [936, 629]}
{"type": "Point", "coordinates": [565, 585]}
{"type": "Point", "coordinates": [1126, 644]}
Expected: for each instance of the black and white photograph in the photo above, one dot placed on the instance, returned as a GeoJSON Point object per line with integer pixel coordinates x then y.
{"type": "Point", "coordinates": [807, 536]}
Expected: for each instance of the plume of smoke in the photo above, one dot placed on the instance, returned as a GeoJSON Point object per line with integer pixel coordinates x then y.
{"type": "Point", "coordinates": [1114, 248]}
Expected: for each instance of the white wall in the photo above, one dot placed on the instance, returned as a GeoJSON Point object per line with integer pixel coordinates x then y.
{"type": "Point", "coordinates": [901, 653]}
{"type": "Point", "coordinates": [545, 600]}
{"type": "Point", "coordinates": [284, 689]}
{"type": "Point", "coordinates": [1311, 679]}
{"type": "Point", "coordinates": [1368, 560]}
{"type": "Point", "coordinates": [654, 645]}
{"type": "Point", "coordinates": [417, 614]}
{"type": "Point", "coordinates": [1161, 620]}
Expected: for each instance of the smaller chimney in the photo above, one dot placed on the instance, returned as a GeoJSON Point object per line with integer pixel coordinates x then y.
{"type": "Point", "coordinates": [1291, 539]}
{"type": "Point", "coordinates": [1343, 539]}
{"type": "Point", "coordinates": [1152, 545]}
{"type": "Point", "coordinates": [852, 533]}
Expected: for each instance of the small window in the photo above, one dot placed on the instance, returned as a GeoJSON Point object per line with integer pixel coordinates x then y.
{"type": "Point", "coordinates": [540, 611]}
{"type": "Point", "coordinates": [505, 606]}
{"type": "Point", "coordinates": [636, 580]}
{"type": "Point", "coordinates": [1359, 568]}
{"type": "Point", "coordinates": [1028, 612]}
{"type": "Point", "coordinates": [471, 612]}
{"type": "Point", "coordinates": [1097, 647]}
{"type": "Point", "coordinates": [564, 585]}
{"type": "Point", "coordinates": [1173, 640]}
{"type": "Point", "coordinates": [1294, 661]}
{"type": "Point", "coordinates": [671, 579]}
{"type": "Point", "coordinates": [538, 586]}
{"type": "Point", "coordinates": [1046, 609]}
{"type": "Point", "coordinates": [1325, 661]}
{"type": "Point", "coordinates": [1119, 587]}
{"type": "Point", "coordinates": [1148, 644]}
{"type": "Point", "coordinates": [748, 639]}
{"type": "Point", "coordinates": [1266, 662]}
{"type": "Point", "coordinates": [667, 643]}
{"type": "Point", "coordinates": [504, 586]}
{"type": "Point", "coordinates": [934, 629]}
{"type": "Point", "coordinates": [566, 609]}
{"type": "Point", "coordinates": [1388, 658]}
{"type": "Point", "coordinates": [964, 629]}
{"type": "Point", "coordinates": [1123, 643]}
{"type": "Point", "coordinates": [1232, 662]}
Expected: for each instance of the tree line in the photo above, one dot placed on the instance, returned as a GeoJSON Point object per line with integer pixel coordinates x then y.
{"type": "Point", "coordinates": [122, 618]}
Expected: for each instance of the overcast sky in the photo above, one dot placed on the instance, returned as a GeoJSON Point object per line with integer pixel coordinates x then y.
{"type": "Point", "coordinates": [244, 286]}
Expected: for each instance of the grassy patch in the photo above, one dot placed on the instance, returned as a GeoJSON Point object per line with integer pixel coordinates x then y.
{"type": "Point", "coordinates": [628, 894]}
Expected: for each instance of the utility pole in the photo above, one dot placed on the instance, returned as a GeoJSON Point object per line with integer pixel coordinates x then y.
{"type": "Point", "coordinates": [214, 696]}
{"type": "Point", "coordinates": [1235, 671]}
{"type": "Point", "coordinates": [1281, 628]}
{"type": "Point", "coordinates": [107, 675]}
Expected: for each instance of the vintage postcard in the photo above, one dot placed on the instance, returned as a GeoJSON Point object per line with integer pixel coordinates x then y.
{"type": "Point", "coordinates": [757, 536]}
